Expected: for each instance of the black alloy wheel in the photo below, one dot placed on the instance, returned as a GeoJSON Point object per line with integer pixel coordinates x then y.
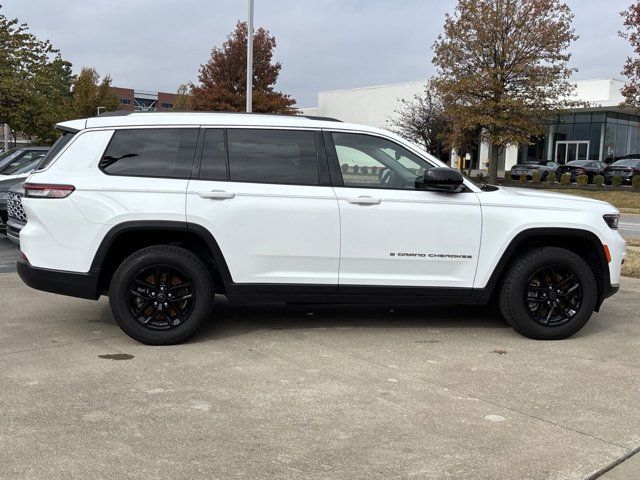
{"type": "Point", "coordinates": [161, 297]}
{"type": "Point", "coordinates": [553, 295]}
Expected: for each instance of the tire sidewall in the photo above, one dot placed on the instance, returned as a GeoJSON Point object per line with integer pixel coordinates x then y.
{"type": "Point", "coordinates": [124, 275]}
{"type": "Point", "coordinates": [527, 325]}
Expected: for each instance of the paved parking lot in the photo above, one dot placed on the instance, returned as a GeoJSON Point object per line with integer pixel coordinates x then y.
{"type": "Point", "coordinates": [315, 392]}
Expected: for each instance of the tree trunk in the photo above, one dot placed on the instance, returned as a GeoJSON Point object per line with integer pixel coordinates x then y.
{"type": "Point", "coordinates": [493, 164]}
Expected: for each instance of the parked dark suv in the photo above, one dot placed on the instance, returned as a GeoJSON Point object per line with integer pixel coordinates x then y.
{"type": "Point", "coordinates": [590, 168]}
{"type": "Point", "coordinates": [626, 169]}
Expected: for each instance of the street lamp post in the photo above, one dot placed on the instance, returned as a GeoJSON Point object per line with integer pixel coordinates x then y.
{"type": "Point", "coordinates": [250, 58]}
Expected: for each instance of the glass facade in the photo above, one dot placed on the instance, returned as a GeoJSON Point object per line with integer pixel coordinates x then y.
{"type": "Point", "coordinates": [586, 136]}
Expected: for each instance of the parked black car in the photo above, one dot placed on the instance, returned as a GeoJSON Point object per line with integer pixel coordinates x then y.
{"type": "Point", "coordinates": [626, 169]}
{"type": "Point", "coordinates": [590, 168]}
{"type": "Point", "coordinates": [545, 167]}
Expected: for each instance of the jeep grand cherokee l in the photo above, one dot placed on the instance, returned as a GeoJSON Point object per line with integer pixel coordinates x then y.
{"type": "Point", "coordinates": [160, 210]}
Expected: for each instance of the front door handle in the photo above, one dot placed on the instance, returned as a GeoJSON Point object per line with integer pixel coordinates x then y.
{"type": "Point", "coordinates": [364, 200]}
{"type": "Point", "coordinates": [217, 195]}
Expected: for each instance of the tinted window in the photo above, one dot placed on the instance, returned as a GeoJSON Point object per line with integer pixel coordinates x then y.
{"type": "Point", "coordinates": [162, 152]}
{"type": "Point", "coordinates": [273, 156]}
{"type": "Point", "coordinates": [53, 151]}
{"type": "Point", "coordinates": [374, 162]}
{"type": "Point", "coordinates": [580, 163]}
{"type": "Point", "coordinates": [214, 158]}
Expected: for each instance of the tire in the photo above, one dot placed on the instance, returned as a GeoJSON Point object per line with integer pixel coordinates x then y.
{"type": "Point", "coordinates": [168, 276]}
{"type": "Point", "coordinates": [525, 300]}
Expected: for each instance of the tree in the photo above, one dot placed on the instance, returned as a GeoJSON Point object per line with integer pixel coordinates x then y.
{"type": "Point", "coordinates": [502, 68]}
{"type": "Point", "coordinates": [89, 93]}
{"type": "Point", "coordinates": [422, 120]}
{"type": "Point", "coordinates": [34, 81]}
{"type": "Point", "coordinates": [184, 99]}
{"type": "Point", "coordinates": [631, 69]}
{"type": "Point", "coordinates": [223, 82]}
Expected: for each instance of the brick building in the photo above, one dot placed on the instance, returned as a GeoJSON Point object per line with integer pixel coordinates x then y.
{"type": "Point", "coordinates": [144, 101]}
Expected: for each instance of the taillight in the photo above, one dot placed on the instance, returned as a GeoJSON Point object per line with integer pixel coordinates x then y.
{"type": "Point", "coordinates": [43, 190]}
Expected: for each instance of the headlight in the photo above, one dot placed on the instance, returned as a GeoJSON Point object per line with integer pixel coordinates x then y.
{"type": "Point", "coordinates": [612, 220]}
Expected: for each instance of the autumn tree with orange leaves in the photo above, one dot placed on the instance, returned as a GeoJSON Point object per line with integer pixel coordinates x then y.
{"type": "Point", "coordinates": [631, 69]}
{"type": "Point", "coordinates": [222, 80]}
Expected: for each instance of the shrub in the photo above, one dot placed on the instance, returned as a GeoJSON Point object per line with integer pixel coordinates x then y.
{"type": "Point", "coordinates": [345, 167]}
{"type": "Point", "coordinates": [507, 176]}
{"type": "Point", "coordinates": [374, 170]}
{"type": "Point", "coordinates": [598, 180]}
{"type": "Point", "coordinates": [616, 181]}
{"type": "Point", "coordinates": [356, 169]}
{"type": "Point", "coordinates": [551, 178]}
{"type": "Point", "coordinates": [536, 176]}
{"type": "Point", "coordinates": [582, 180]}
{"type": "Point", "coordinates": [364, 170]}
{"type": "Point", "coordinates": [565, 179]}
{"type": "Point", "coordinates": [635, 181]}
{"type": "Point", "coordinates": [479, 176]}
{"type": "Point", "coordinates": [523, 179]}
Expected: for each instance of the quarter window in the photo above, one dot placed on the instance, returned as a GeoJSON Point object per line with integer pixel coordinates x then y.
{"type": "Point", "coordinates": [273, 156]}
{"type": "Point", "coordinates": [374, 162]}
{"type": "Point", "coordinates": [166, 152]}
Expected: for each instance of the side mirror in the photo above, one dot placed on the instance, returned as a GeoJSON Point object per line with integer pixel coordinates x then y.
{"type": "Point", "coordinates": [441, 179]}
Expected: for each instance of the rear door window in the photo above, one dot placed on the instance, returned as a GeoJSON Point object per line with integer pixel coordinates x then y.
{"type": "Point", "coordinates": [273, 156]}
{"type": "Point", "coordinates": [151, 152]}
{"type": "Point", "coordinates": [53, 151]}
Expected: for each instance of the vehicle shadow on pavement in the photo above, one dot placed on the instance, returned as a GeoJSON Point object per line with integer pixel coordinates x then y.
{"type": "Point", "coordinates": [234, 320]}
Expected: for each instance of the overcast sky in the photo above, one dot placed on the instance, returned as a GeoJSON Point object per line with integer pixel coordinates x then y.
{"type": "Point", "coordinates": [322, 44]}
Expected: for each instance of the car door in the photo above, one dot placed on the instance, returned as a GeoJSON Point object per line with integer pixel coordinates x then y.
{"type": "Point", "coordinates": [265, 196]}
{"type": "Point", "coordinates": [391, 233]}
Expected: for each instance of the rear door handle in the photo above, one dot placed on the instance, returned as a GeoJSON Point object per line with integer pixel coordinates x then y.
{"type": "Point", "coordinates": [364, 200]}
{"type": "Point", "coordinates": [217, 195]}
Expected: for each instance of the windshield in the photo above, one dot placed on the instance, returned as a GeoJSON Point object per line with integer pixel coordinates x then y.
{"type": "Point", "coordinates": [631, 162]}
{"type": "Point", "coordinates": [22, 165]}
{"type": "Point", "coordinates": [579, 163]}
{"type": "Point", "coordinates": [8, 153]}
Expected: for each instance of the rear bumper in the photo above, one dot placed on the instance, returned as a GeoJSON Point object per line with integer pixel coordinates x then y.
{"type": "Point", "coordinates": [73, 284]}
{"type": "Point", "coordinates": [13, 230]}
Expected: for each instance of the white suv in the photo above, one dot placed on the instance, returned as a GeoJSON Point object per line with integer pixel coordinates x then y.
{"type": "Point", "coordinates": [161, 210]}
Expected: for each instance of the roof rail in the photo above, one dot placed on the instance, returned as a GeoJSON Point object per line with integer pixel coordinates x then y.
{"type": "Point", "coordinates": [123, 113]}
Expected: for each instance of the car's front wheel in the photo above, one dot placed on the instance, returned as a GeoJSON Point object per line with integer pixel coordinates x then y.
{"type": "Point", "coordinates": [549, 293]}
{"type": "Point", "coordinates": [161, 294]}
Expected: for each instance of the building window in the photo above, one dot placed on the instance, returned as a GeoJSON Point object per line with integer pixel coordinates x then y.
{"type": "Point", "coordinates": [168, 106]}
{"type": "Point", "coordinates": [144, 104]}
{"type": "Point", "coordinates": [125, 101]}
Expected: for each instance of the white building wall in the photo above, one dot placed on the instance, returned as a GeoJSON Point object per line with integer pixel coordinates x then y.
{"type": "Point", "coordinates": [374, 106]}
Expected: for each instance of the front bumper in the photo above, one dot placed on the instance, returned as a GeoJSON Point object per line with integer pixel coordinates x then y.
{"type": "Point", "coordinates": [73, 284]}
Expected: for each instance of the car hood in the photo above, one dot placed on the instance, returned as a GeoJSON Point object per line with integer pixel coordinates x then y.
{"type": "Point", "coordinates": [541, 200]}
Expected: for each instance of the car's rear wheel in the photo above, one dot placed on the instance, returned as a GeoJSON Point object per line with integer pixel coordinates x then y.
{"type": "Point", "coordinates": [548, 294]}
{"type": "Point", "coordinates": [161, 294]}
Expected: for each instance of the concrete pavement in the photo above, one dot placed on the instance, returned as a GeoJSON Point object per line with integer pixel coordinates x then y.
{"type": "Point", "coordinates": [315, 392]}
{"type": "Point", "coordinates": [629, 225]}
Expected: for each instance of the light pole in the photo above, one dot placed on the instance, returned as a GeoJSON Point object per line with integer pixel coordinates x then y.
{"type": "Point", "coordinates": [250, 58]}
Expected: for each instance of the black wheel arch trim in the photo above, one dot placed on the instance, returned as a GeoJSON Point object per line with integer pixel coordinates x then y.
{"type": "Point", "coordinates": [176, 226]}
{"type": "Point", "coordinates": [604, 287]}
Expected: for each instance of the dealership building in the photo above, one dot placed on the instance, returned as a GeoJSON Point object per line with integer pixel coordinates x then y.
{"type": "Point", "coordinates": [601, 131]}
{"type": "Point", "coordinates": [143, 100]}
